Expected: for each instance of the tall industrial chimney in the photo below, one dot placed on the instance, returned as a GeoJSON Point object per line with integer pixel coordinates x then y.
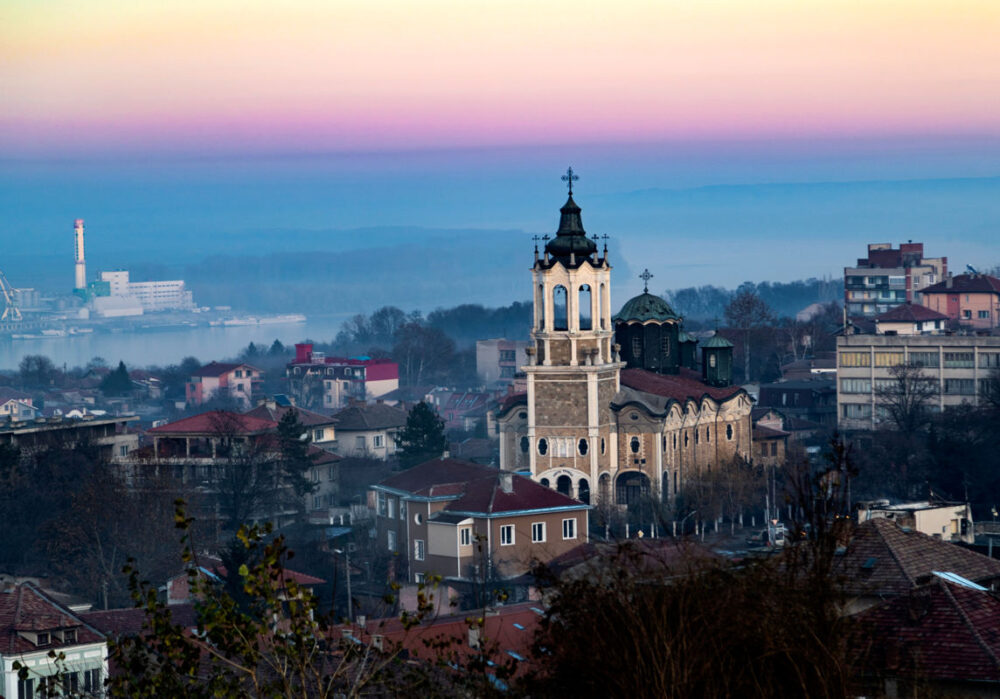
{"type": "Point", "coordinates": [81, 264]}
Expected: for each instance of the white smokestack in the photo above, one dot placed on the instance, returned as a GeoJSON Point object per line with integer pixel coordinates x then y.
{"type": "Point", "coordinates": [81, 264]}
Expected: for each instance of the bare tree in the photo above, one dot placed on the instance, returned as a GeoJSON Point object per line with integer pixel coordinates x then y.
{"type": "Point", "coordinates": [905, 397]}
{"type": "Point", "coordinates": [748, 312]}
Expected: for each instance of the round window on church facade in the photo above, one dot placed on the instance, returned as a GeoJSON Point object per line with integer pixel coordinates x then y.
{"type": "Point", "coordinates": [582, 447]}
{"type": "Point", "coordinates": [543, 446]}
{"type": "Point", "coordinates": [524, 445]}
{"type": "Point", "coordinates": [634, 445]}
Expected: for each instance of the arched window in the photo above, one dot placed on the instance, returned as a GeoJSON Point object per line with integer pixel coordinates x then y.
{"type": "Point", "coordinates": [603, 445]}
{"type": "Point", "coordinates": [634, 445]}
{"type": "Point", "coordinates": [696, 435]}
{"type": "Point", "coordinates": [540, 305]}
{"type": "Point", "coordinates": [583, 491]}
{"type": "Point", "coordinates": [600, 305]}
{"type": "Point", "coordinates": [559, 299]}
{"type": "Point", "coordinates": [524, 445]}
{"type": "Point", "coordinates": [582, 447]}
{"type": "Point", "coordinates": [708, 434]}
{"type": "Point", "coordinates": [665, 342]}
{"type": "Point", "coordinates": [729, 432]}
{"type": "Point", "coordinates": [543, 446]}
{"type": "Point", "coordinates": [586, 320]}
{"type": "Point", "coordinates": [545, 482]}
{"type": "Point", "coordinates": [711, 360]}
{"type": "Point", "coordinates": [685, 439]}
{"type": "Point", "coordinates": [636, 347]}
{"type": "Point", "coordinates": [666, 486]}
{"type": "Point", "coordinates": [564, 484]}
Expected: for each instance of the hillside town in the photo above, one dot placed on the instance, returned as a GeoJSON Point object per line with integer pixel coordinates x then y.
{"type": "Point", "coordinates": [422, 486]}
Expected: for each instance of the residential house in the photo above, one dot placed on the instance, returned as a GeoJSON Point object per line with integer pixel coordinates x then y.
{"type": "Point", "coordinates": [369, 429]}
{"type": "Point", "coordinates": [890, 276]}
{"type": "Point", "coordinates": [472, 523]}
{"type": "Point", "coordinates": [970, 299]}
{"type": "Point", "coordinates": [461, 410]}
{"type": "Point", "coordinates": [910, 319]}
{"type": "Point", "coordinates": [16, 405]}
{"type": "Point", "coordinates": [499, 360]}
{"type": "Point", "coordinates": [823, 365]}
{"type": "Point", "coordinates": [217, 379]}
{"type": "Point", "coordinates": [814, 399]}
{"type": "Point", "coordinates": [33, 626]}
{"type": "Point", "coordinates": [884, 560]}
{"type": "Point", "coordinates": [318, 381]}
{"type": "Point", "coordinates": [948, 521]}
{"type": "Point", "coordinates": [955, 369]}
{"type": "Point", "coordinates": [111, 435]}
{"type": "Point", "coordinates": [177, 590]}
{"type": "Point", "coordinates": [939, 639]}
{"type": "Point", "coordinates": [320, 428]}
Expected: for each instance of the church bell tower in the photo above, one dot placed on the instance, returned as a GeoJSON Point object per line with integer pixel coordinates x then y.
{"type": "Point", "coordinates": [573, 370]}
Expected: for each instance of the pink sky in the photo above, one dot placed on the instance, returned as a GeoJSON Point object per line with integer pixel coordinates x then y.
{"type": "Point", "coordinates": [397, 73]}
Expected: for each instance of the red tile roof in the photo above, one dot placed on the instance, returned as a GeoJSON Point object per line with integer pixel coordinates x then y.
{"type": "Point", "coordinates": [686, 385]}
{"type": "Point", "coordinates": [476, 488]}
{"type": "Point", "coordinates": [762, 432]}
{"type": "Point", "coordinates": [941, 631]}
{"type": "Point", "coordinates": [509, 402]}
{"type": "Point", "coordinates": [910, 313]}
{"type": "Point", "coordinates": [216, 422]}
{"type": "Point", "coordinates": [966, 284]}
{"type": "Point", "coordinates": [26, 608]}
{"type": "Point", "coordinates": [220, 368]}
{"type": "Point", "coordinates": [884, 560]}
{"type": "Point", "coordinates": [128, 622]}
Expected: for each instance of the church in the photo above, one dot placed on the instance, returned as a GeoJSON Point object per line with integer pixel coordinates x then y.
{"type": "Point", "coordinates": [617, 403]}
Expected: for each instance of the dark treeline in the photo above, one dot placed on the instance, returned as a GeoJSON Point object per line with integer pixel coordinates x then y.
{"type": "Point", "coordinates": [704, 303]}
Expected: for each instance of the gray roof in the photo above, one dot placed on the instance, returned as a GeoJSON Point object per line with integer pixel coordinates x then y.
{"type": "Point", "coordinates": [375, 416]}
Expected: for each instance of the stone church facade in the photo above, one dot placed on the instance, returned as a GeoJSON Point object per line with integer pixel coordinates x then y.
{"type": "Point", "coordinates": [615, 407]}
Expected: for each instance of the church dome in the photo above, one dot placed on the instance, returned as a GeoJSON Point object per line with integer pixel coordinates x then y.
{"type": "Point", "coordinates": [571, 238]}
{"type": "Point", "coordinates": [717, 341]}
{"type": "Point", "coordinates": [645, 307]}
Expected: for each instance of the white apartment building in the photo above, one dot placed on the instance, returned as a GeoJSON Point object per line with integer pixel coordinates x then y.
{"type": "Point", "coordinates": [957, 367]}
{"type": "Point", "coordinates": [170, 295]}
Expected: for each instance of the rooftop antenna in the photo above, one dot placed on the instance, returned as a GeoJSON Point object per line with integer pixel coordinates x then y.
{"type": "Point", "coordinates": [570, 177]}
{"type": "Point", "coordinates": [645, 277]}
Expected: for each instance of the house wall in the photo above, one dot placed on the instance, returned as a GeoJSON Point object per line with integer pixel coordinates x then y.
{"type": "Point", "coordinates": [978, 310]}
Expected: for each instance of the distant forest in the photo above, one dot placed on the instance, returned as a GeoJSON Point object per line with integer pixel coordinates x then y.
{"type": "Point", "coordinates": [705, 303]}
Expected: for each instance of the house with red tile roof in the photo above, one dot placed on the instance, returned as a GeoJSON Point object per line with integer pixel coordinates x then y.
{"type": "Point", "coordinates": [939, 639]}
{"type": "Point", "coordinates": [468, 522]}
{"type": "Point", "coordinates": [329, 383]}
{"type": "Point", "coordinates": [16, 405]}
{"type": "Point", "coordinates": [970, 299]}
{"type": "Point", "coordinates": [33, 625]}
{"type": "Point", "coordinates": [910, 319]}
{"type": "Point", "coordinates": [217, 379]}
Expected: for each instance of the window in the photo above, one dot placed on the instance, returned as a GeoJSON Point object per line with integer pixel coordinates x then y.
{"type": "Point", "coordinates": [42, 639]}
{"type": "Point", "coordinates": [634, 445]}
{"type": "Point", "coordinates": [774, 448]}
{"type": "Point", "coordinates": [92, 683]}
{"type": "Point", "coordinates": [402, 509]}
{"type": "Point", "coordinates": [392, 507]}
{"type": "Point", "coordinates": [123, 450]}
{"type": "Point", "coordinates": [331, 473]}
{"type": "Point", "coordinates": [711, 360]}
{"type": "Point", "coordinates": [465, 536]}
{"type": "Point", "coordinates": [391, 540]}
{"type": "Point", "coordinates": [507, 535]}
{"type": "Point", "coordinates": [317, 502]}
{"type": "Point", "coordinates": [543, 446]}
{"type": "Point", "coordinates": [26, 688]}
{"type": "Point", "coordinates": [983, 315]}
{"type": "Point", "coordinates": [239, 374]}
{"type": "Point", "coordinates": [69, 636]}
{"type": "Point", "coordinates": [929, 360]}
{"type": "Point", "coordinates": [856, 411]}
{"type": "Point", "coordinates": [569, 528]}
{"type": "Point", "coordinates": [967, 314]}
{"type": "Point", "coordinates": [665, 345]}
{"type": "Point", "coordinates": [537, 532]}
{"type": "Point", "coordinates": [888, 358]}
{"type": "Point", "coordinates": [636, 347]}
{"type": "Point", "coordinates": [524, 445]}
{"type": "Point", "coordinates": [418, 578]}
{"type": "Point", "coordinates": [418, 549]}
{"type": "Point", "coordinates": [418, 518]}
{"type": "Point", "coordinates": [582, 447]}
{"type": "Point", "coordinates": [962, 387]}
{"type": "Point", "coordinates": [318, 435]}
{"type": "Point", "coordinates": [958, 360]}
{"type": "Point", "coordinates": [989, 360]}
{"type": "Point", "coordinates": [855, 359]}
{"type": "Point", "coordinates": [359, 442]}
{"type": "Point", "coordinates": [855, 386]}
{"type": "Point", "coordinates": [603, 445]}
{"type": "Point", "coordinates": [378, 441]}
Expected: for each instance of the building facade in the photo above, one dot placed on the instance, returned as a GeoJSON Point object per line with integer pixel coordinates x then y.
{"type": "Point", "coordinates": [499, 360]}
{"type": "Point", "coordinates": [217, 379]}
{"type": "Point", "coordinates": [890, 276]}
{"type": "Point", "coordinates": [955, 368]}
{"type": "Point", "coordinates": [614, 403]}
{"type": "Point", "coordinates": [330, 383]}
{"type": "Point", "coordinates": [971, 300]}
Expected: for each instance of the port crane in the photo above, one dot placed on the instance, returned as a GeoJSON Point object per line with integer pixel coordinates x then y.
{"type": "Point", "coordinates": [10, 312]}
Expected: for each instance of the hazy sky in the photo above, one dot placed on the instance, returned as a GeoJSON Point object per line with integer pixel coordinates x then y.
{"type": "Point", "coordinates": [381, 74]}
{"type": "Point", "coordinates": [194, 120]}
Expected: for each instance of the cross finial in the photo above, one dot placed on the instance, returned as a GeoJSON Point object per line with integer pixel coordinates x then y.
{"type": "Point", "coordinates": [645, 277]}
{"type": "Point", "coordinates": [570, 178]}
{"type": "Point", "coordinates": [536, 239]}
{"type": "Point", "coordinates": [605, 239]}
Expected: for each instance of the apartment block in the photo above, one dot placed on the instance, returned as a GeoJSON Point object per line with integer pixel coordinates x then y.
{"type": "Point", "coordinates": [320, 382]}
{"type": "Point", "coordinates": [957, 368]}
{"type": "Point", "coordinates": [890, 276]}
{"type": "Point", "coordinates": [499, 360]}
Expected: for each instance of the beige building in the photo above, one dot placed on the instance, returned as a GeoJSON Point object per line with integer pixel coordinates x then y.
{"type": "Point", "coordinates": [948, 521]}
{"type": "Point", "coordinates": [626, 421]}
{"type": "Point", "coordinates": [956, 368]}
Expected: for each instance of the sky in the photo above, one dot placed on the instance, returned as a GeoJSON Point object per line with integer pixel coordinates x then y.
{"type": "Point", "coordinates": [152, 120]}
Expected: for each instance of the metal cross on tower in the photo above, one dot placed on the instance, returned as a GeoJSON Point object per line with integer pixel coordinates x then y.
{"type": "Point", "coordinates": [570, 178]}
{"type": "Point", "coordinates": [645, 277]}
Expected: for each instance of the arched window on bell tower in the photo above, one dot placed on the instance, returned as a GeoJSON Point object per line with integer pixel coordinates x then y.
{"type": "Point", "coordinates": [585, 301]}
{"type": "Point", "coordinates": [560, 320]}
{"type": "Point", "coordinates": [540, 307]}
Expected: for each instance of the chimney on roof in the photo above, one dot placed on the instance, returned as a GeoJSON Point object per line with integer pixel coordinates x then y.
{"type": "Point", "coordinates": [507, 481]}
{"type": "Point", "coordinates": [949, 282]}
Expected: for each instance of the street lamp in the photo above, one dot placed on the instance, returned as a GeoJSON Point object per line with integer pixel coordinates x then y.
{"type": "Point", "coordinates": [346, 553]}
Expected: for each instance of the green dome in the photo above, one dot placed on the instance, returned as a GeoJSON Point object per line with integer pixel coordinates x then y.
{"type": "Point", "coordinates": [717, 341]}
{"type": "Point", "coordinates": [646, 307]}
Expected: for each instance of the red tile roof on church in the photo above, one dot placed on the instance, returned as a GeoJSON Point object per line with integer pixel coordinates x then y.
{"type": "Point", "coordinates": [686, 385]}
{"type": "Point", "coordinates": [25, 608]}
{"type": "Point", "coordinates": [215, 422]}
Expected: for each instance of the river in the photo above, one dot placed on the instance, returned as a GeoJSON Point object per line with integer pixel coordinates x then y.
{"type": "Point", "coordinates": [162, 347]}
